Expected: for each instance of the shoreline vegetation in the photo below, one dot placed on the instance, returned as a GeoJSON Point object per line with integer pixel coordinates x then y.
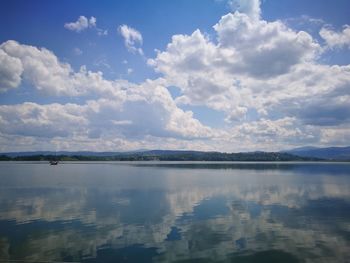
{"type": "Point", "coordinates": [160, 155]}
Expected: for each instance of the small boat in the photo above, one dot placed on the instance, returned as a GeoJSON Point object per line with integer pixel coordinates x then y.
{"type": "Point", "coordinates": [53, 162]}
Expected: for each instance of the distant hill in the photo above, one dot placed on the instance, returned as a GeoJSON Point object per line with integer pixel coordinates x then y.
{"type": "Point", "coordinates": [99, 154]}
{"type": "Point", "coordinates": [66, 153]}
{"type": "Point", "coordinates": [161, 155]}
{"type": "Point", "coordinates": [330, 153]}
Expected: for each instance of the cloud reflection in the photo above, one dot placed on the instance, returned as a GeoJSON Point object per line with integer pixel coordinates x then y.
{"type": "Point", "coordinates": [216, 214]}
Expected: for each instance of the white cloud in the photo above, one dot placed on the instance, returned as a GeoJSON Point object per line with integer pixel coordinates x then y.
{"type": "Point", "coordinates": [84, 23]}
{"type": "Point", "coordinates": [133, 115]}
{"type": "Point", "coordinates": [316, 94]}
{"type": "Point", "coordinates": [132, 38]}
{"type": "Point", "coordinates": [247, 46]}
{"type": "Point", "coordinates": [274, 134]}
{"type": "Point", "coordinates": [81, 24]}
{"type": "Point", "coordinates": [41, 68]}
{"type": "Point", "coordinates": [131, 119]}
{"type": "Point", "coordinates": [264, 76]}
{"type": "Point", "coordinates": [223, 75]}
{"type": "Point", "coordinates": [248, 7]}
{"type": "Point", "coordinates": [338, 135]}
{"type": "Point", "coordinates": [260, 69]}
{"type": "Point", "coordinates": [121, 109]}
{"type": "Point", "coordinates": [336, 39]}
{"type": "Point", "coordinates": [92, 21]}
{"type": "Point", "coordinates": [31, 119]}
{"type": "Point", "coordinates": [10, 71]}
{"type": "Point", "coordinates": [244, 46]}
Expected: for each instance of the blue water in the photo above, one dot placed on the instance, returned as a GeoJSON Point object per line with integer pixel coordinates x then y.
{"type": "Point", "coordinates": [174, 212]}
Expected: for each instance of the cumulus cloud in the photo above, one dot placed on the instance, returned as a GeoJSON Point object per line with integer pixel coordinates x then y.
{"type": "Point", "coordinates": [316, 94]}
{"type": "Point", "coordinates": [10, 71]}
{"type": "Point", "coordinates": [223, 75]}
{"type": "Point", "coordinates": [92, 21]}
{"type": "Point", "coordinates": [120, 110]}
{"type": "Point", "coordinates": [262, 69]}
{"type": "Point", "coordinates": [248, 7]}
{"type": "Point", "coordinates": [41, 68]}
{"type": "Point", "coordinates": [84, 23]}
{"type": "Point", "coordinates": [134, 118]}
{"type": "Point", "coordinates": [136, 114]}
{"type": "Point", "coordinates": [262, 75]}
{"type": "Point", "coordinates": [336, 39]}
{"type": "Point", "coordinates": [31, 119]}
{"type": "Point", "coordinates": [81, 24]}
{"type": "Point", "coordinates": [132, 39]}
{"type": "Point", "coordinates": [274, 134]}
{"type": "Point", "coordinates": [253, 44]}
{"type": "Point", "coordinates": [244, 46]}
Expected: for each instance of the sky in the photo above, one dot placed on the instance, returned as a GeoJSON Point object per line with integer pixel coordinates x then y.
{"type": "Point", "coordinates": [212, 75]}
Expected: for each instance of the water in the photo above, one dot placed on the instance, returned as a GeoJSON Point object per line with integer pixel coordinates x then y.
{"type": "Point", "coordinates": [174, 212]}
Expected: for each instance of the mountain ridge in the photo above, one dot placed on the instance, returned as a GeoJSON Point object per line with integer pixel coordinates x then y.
{"type": "Point", "coordinates": [329, 153]}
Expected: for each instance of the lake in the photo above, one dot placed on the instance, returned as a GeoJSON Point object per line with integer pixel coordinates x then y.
{"type": "Point", "coordinates": [174, 212]}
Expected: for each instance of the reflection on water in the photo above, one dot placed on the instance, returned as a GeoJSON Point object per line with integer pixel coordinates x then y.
{"type": "Point", "coordinates": [175, 212]}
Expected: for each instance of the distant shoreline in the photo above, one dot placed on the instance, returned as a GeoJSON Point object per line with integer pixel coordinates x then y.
{"type": "Point", "coordinates": [174, 156]}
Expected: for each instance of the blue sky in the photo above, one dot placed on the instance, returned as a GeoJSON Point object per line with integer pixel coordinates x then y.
{"type": "Point", "coordinates": [205, 74]}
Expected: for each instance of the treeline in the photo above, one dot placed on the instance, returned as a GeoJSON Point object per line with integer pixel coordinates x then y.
{"type": "Point", "coordinates": [180, 156]}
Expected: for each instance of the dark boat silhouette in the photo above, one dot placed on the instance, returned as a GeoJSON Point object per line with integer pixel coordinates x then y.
{"type": "Point", "coordinates": [52, 162]}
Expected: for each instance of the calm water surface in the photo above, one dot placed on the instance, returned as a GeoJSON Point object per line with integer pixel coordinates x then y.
{"type": "Point", "coordinates": [174, 212]}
